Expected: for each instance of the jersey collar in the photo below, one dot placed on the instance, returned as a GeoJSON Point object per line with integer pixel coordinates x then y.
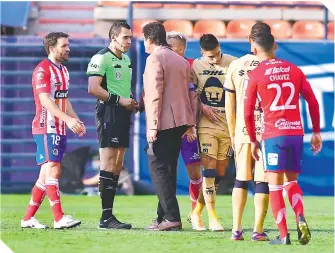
{"type": "Point", "coordinates": [114, 54]}
{"type": "Point", "coordinates": [60, 67]}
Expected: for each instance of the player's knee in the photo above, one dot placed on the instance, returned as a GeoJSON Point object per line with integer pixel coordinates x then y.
{"type": "Point", "coordinates": [208, 161]}
{"type": "Point", "coordinates": [262, 187]}
{"type": "Point", "coordinates": [109, 164]}
{"type": "Point", "coordinates": [54, 170]}
{"type": "Point", "coordinates": [209, 173]}
{"type": "Point", "coordinates": [193, 170]}
{"type": "Point", "coordinates": [241, 184]}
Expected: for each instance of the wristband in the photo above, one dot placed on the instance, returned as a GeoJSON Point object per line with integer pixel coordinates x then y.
{"type": "Point", "coordinates": [113, 99]}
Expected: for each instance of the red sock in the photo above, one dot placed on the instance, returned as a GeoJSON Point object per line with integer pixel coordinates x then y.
{"type": "Point", "coordinates": [52, 190]}
{"type": "Point", "coordinates": [37, 197]}
{"type": "Point", "coordinates": [278, 208]}
{"type": "Point", "coordinates": [294, 194]}
{"type": "Point", "coordinates": [194, 188]}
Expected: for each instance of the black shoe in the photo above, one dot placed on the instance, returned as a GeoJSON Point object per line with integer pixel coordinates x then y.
{"type": "Point", "coordinates": [304, 235]}
{"type": "Point", "coordinates": [286, 240]}
{"type": "Point", "coordinates": [113, 223]}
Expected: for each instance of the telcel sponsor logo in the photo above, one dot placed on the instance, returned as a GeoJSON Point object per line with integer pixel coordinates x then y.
{"type": "Point", "coordinates": [280, 70]}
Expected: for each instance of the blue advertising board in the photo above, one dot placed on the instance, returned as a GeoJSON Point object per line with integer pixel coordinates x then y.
{"type": "Point", "coordinates": [316, 59]}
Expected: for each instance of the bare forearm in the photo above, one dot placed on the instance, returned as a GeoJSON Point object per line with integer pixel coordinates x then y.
{"type": "Point", "coordinates": [98, 92]}
{"type": "Point", "coordinates": [54, 109]}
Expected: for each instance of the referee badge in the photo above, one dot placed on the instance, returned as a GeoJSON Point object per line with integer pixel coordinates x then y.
{"type": "Point", "coordinates": [118, 75]}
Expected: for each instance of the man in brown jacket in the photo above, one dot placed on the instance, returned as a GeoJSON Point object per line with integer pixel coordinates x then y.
{"type": "Point", "coordinates": [170, 110]}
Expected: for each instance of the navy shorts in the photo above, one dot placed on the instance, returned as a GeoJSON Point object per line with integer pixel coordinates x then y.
{"type": "Point", "coordinates": [113, 126]}
{"type": "Point", "coordinates": [50, 147]}
{"type": "Point", "coordinates": [283, 153]}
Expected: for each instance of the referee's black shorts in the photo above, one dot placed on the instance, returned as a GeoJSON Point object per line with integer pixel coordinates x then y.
{"type": "Point", "coordinates": [113, 125]}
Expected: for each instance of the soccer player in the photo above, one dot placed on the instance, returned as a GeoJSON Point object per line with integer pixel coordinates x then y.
{"type": "Point", "coordinates": [54, 111]}
{"type": "Point", "coordinates": [215, 147]}
{"type": "Point", "coordinates": [278, 84]}
{"type": "Point", "coordinates": [189, 150]}
{"type": "Point", "coordinates": [245, 164]}
{"type": "Point", "coordinates": [109, 81]}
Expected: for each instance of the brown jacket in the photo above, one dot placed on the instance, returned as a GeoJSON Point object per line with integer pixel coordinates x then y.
{"type": "Point", "coordinates": [168, 101]}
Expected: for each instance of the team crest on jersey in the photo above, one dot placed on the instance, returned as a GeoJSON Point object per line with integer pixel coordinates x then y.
{"type": "Point", "coordinates": [213, 94]}
{"type": "Point", "coordinates": [39, 75]}
{"type": "Point", "coordinates": [57, 81]}
{"type": "Point", "coordinates": [55, 152]}
{"type": "Point", "coordinates": [118, 75]}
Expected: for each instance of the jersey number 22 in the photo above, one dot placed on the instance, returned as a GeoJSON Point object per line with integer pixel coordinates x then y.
{"type": "Point", "coordinates": [287, 106]}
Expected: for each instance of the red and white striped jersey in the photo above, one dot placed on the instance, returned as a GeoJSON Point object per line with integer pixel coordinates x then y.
{"type": "Point", "coordinates": [54, 80]}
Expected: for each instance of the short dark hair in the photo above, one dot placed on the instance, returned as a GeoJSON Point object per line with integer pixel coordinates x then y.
{"type": "Point", "coordinates": [155, 31]}
{"type": "Point", "coordinates": [259, 28]}
{"type": "Point", "coordinates": [50, 40]}
{"type": "Point", "coordinates": [208, 42]}
{"type": "Point", "coordinates": [265, 41]}
{"type": "Point", "coordinates": [115, 29]}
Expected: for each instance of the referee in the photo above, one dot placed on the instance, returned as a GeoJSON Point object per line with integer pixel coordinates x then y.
{"type": "Point", "coordinates": [109, 81]}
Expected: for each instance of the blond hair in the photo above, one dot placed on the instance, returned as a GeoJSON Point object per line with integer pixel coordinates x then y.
{"type": "Point", "coordinates": [176, 35]}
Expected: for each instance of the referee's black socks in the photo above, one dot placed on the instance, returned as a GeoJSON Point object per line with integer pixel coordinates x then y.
{"type": "Point", "coordinates": [107, 186]}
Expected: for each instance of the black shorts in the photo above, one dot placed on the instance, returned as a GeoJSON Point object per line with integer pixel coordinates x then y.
{"type": "Point", "coordinates": [113, 125]}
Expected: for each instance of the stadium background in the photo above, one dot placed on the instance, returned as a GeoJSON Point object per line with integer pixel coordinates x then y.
{"type": "Point", "coordinates": [307, 43]}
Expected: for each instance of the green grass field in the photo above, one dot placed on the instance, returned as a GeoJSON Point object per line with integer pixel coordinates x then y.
{"type": "Point", "coordinates": [140, 210]}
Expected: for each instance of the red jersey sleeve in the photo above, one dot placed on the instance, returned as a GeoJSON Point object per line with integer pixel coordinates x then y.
{"type": "Point", "coordinates": [190, 61]}
{"type": "Point", "coordinates": [307, 93]}
{"type": "Point", "coordinates": [249, 105]}
{"type": "Point", "coordinates": [41, 80]}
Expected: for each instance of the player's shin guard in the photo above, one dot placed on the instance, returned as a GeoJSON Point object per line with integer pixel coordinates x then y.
{"type": "Point", "coordinates": [107, 186]}
{"type": "Point", "coordinates": [261, 203]}
{"type": "Point", "coordinates": [239, 198]}
{"type": "Point", "coordinates": [52, 190]}
{"type": "Point", "coordinates": [295, 196]}
{"type": "Point", "coordinates": [37, 197]}
{"type": "Point", "coordinates": [194, 189]}
{"type": "Point", "coordinates": [278, 208]}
